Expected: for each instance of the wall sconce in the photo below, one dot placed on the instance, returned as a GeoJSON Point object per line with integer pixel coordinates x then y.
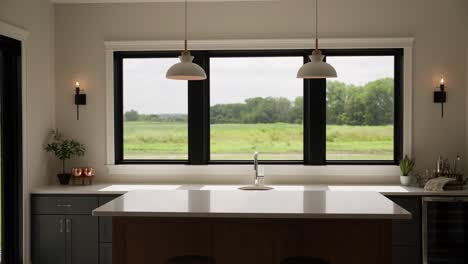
{"type": "Point", "coordinates": [80, 99]}
{"type": "Point", "coordinates": [441, 96]}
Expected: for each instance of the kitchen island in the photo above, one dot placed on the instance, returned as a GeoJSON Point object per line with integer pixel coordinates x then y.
{"type": "Point", "coordinates": [252, 226]}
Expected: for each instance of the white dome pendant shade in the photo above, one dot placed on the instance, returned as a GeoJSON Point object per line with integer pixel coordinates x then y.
{"type": "Point", "coordinates": [316, 68]}
{"type": "Point", "coordinates": [186, 70]}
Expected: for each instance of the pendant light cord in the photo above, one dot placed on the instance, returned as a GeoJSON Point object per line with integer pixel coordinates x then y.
{"type": "Point", "coordinates": [316, 24]}
{"type": "Point", "coordinates": [186, 25]}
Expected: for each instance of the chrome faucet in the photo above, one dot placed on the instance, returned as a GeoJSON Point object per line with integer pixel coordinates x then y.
{"type": "Point", "coordinates": [255, 158]}
{"type": "Point", "coordinates": [258, 180]}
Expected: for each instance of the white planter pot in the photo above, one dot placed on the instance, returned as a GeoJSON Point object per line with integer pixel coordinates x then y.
{"type": "Point", "coordinates": [405, 180]}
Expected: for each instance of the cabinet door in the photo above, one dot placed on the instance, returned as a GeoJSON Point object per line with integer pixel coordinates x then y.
{"type": "Point", "coordinates": [105, 253]}
{"type": "Point", "coordinates": [288, 242]}
{"type": "Point", "coordinates": [407, 232]}
{"type": "Point", "coordinates": [48, 239]}
{"type": "Point", "coordinates": [139, 240]}
{"type": "Point", "coordinates": [405, 255]}
{"type": "Point", "coordinates": [82, 239]}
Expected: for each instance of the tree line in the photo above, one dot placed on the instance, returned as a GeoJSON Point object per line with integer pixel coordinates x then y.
{"type": "Point", "coordinates": [370, 104]}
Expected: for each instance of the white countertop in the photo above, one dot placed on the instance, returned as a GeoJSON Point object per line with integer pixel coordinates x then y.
{"type": "Point", "coordinates": [254, 204]}
{"type": "Point", "coordinates": [116, 189]}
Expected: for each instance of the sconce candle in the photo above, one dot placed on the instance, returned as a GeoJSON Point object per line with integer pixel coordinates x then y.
{"type": "Point", "coordinates": [80, 99]}
{"type": "Point", "coordinates": [441, 96]}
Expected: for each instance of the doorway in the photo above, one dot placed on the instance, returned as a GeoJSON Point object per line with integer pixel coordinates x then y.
{"type": "Point", "coordinates": [11, 151]}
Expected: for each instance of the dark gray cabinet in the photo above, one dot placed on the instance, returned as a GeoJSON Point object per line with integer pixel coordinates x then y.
{"type": "Point", "coordinates": [48, 239]}
{"type": "Point", "coordinates": [82, 239]}
{"type": "Point", "coordinates": [105, 223]}
{"type": "Point", "coordinates": [406, 234]}
{"type": "Point", "coordinates": [105, 253]}
{"type": "Point", "coordinates": [63, 230]}
{"type": "Point", "coordinates": [405, 255]}
{"type": "Point", "coordinates": [105, 234]}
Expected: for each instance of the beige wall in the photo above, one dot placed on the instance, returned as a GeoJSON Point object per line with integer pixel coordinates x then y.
{"type": "Point", "coordinates": [438, 27]}
{"type": "Point", "coordinates": [37, 18]}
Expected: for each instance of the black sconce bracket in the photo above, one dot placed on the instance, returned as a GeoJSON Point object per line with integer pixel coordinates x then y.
{"type": "Point", "coordinates": [80, 99]}
{"type": "Point", "coordinates": [440, 97]}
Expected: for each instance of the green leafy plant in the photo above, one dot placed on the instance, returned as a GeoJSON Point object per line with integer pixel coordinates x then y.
{"type": "Point", "coordinates": [406, 165]}
{"type": "Point", "coordinates": [64, 149]}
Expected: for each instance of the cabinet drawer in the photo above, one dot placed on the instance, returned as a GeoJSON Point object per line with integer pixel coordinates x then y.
{"type": "Point", "coordinates": [105, 199]}
{"type": "Point", "coordinates": [64, 204]}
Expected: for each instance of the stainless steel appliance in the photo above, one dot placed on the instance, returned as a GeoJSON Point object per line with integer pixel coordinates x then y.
{"type": "Point", "coordinates": [445, 230]}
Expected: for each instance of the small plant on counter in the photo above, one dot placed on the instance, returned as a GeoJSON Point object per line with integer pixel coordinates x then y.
{"type": "Point", "coordinates": [64, 149]}
{"type": "Point", "coordinates": [406, 166]}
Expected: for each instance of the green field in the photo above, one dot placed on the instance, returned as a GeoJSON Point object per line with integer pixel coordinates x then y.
{"type": "Point", "coordinates": [278, 141]}
{"type": "Point", "coordinates": [168, 140]}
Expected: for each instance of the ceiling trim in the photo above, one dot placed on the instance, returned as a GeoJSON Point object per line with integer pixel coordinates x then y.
{"type": "Point", "coordinates": [325, 43]}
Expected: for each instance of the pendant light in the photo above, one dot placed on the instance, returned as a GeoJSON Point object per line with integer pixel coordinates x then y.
{"type": "Point", "coordinates": [186, 69]}
{"type": "Point", "coordinates": [316, 68]}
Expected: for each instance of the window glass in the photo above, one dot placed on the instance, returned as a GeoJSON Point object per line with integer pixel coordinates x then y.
{"type": "Point", "coordinates": [360, 108]}
{"type": "Point", "coordinates": [155, 111]}
{"type": "Point", "coordinates": [256, 104]}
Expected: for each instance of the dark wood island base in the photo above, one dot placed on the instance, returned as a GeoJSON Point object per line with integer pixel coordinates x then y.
{"type": "Point", "coordinates": [153, 240]}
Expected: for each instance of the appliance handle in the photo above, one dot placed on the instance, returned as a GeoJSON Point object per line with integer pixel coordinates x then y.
{"type": "Point", "coordinates": [68, 225]}
{"type": "Point", "coordinates": [424, 202]}
{"type": "Point", "coordinates": [450, 199]}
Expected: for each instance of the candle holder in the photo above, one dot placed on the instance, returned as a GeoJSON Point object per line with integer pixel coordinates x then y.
{"type": "Point", "coordinates": [80, 99]}
{"type": "Point", "coordinates": [440, 96]}
{"type": "Point", "coordinates": [83, 176]}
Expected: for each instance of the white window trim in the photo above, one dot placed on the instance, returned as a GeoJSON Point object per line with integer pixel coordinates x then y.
{"type": "Point", "coordinates": [252, 44]}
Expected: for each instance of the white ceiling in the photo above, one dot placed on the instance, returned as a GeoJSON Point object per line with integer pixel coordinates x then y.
{"type": "Point", "coordinates": [147, 1]}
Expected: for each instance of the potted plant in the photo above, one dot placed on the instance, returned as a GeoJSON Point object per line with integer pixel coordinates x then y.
{"type": "Point", "coordinates": [64, 149]}
{"type": "Point", "coordinates": [406, 166]}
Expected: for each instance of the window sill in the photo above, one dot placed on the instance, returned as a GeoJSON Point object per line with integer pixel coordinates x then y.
{"type": "Point", "coordinates": [270, 170]}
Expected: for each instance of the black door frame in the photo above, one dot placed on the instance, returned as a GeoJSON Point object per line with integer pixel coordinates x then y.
{"type": "Point", "coordinates": [11, 150]}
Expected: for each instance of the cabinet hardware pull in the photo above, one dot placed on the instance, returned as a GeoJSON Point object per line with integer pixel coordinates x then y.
{"type": "Point", "coordinates": [61, 225]}
{"type": "Point", "coordinates": [64, 205]}
{"type": "Point", "coordinates": [68, 225]}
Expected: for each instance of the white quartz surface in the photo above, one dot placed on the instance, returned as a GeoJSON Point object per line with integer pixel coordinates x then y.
{"type": "Point", "coordinates": [124, 188]}
{"type": "Point", "coordinates": [254, 204]}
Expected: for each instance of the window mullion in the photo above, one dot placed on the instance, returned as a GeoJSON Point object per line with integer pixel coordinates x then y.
{"type": "Point", "coordinates": [198, 115]}
{"type": "Point", "coordinates": [314, 121]}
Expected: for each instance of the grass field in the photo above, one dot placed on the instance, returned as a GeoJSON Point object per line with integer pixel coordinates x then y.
{"type": "Point", "coordinates": [278, 141]}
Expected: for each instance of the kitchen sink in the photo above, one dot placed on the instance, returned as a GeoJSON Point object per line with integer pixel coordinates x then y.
{"type": "Point", "coordinates": [256, 188]}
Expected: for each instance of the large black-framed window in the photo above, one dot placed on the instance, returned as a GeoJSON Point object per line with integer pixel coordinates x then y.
{"type": "Point", "coordinates": [205, 127]}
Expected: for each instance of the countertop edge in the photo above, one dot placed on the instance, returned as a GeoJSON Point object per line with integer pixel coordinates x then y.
{"type": "Point", "coordinates": [253, 216]}
{"type": "Point", "coordinates": [99, 189]}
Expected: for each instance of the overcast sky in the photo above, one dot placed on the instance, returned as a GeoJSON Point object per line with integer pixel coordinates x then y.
{"type": "Point", "coordinates": [147, 90]}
